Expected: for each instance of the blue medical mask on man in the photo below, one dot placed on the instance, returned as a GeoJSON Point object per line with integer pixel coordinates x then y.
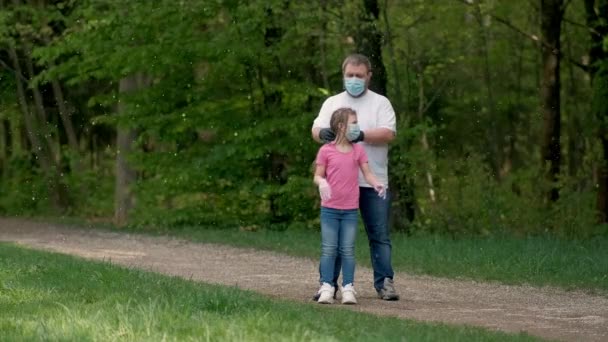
{"type": "Point", "coordinates": [352, 131]}
{"type": "Point", "coordinates": [355, 86]}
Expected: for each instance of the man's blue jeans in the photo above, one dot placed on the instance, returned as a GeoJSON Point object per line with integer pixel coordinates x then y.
{"type": "Point", "coordinates": [375, 213]}
{"type": "Point", "coordinates": [338, 233]}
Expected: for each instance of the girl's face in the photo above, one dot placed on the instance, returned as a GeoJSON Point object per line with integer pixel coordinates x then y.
{"type": "Point", "coordinates": [352, 119]}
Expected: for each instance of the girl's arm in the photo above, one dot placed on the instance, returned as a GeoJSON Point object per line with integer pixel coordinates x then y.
{"type": "Point", "coordinates": [369, 175]}
{"type": "Point", "coordinates": [321, 182]}
{"type": "Point", "coordinates": [371, 179]}
{"type": "Point", "coordinates": [319, 174]}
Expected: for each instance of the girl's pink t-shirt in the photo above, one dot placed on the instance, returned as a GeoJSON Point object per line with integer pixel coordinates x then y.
{"type": "Point", "coordinates": [342, 173]}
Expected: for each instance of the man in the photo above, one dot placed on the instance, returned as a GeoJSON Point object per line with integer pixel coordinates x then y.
{"type": "Point", "coordinates": [376, 119]}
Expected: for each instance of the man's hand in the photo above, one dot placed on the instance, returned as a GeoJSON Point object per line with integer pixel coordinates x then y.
{"type": "Point", "coordinates": [327, 135]}
{"type": "Point", "coordinates": [359, 138]}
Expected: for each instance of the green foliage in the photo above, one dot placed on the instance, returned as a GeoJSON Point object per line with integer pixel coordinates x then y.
{"type": "Point", "coordinates": [471, 203]}
{"type": "Point", "coordinates": [224, 123]}
{"type": "Point", "coordinates": [599, 105]}
{"type": "Point", "coordinates": [467, 202]}
{"type": "Point", "coordinates": [23, 191]}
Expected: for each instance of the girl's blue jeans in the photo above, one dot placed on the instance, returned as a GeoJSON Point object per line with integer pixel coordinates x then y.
{"type": "Point", "coordinates": [375, 213]}
{"type": "Point", "coordinates": [338, 233]}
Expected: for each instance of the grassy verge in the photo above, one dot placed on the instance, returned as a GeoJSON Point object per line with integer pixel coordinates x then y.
{"type": "Point", "coordinates": [47, 296]}
{"type": "Point", "coordinates": [538, 261]}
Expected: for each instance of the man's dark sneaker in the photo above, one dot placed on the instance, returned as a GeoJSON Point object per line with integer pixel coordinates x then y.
{"type": "Point", "coordinates": [387, 292]}
{"type": "Point", "coordinates": [318, 294]}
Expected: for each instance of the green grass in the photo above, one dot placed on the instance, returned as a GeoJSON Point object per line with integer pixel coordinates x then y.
{"type": "Point", "coordinates": [537, 261]}
{"type": "Point", "coordinates": [45, 296]}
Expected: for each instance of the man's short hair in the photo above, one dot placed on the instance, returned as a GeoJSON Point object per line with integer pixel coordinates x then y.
{"type": "Point", "coordinates": [357, 59]}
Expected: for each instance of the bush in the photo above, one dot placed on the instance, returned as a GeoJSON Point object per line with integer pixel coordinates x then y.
{"type": "Point", "coordinates": [23, 191]}
{"type": "Point", "coordinates": [248, 206]}
{"type": "Point", "coordinates": [471, 202]}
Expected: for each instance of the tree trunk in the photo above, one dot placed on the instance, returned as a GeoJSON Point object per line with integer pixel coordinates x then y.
{"type": "Point", "coordinates": [492, 136]}
{"type": "Point", "coordinates": [45, 126]}
{"type": "Point", "coordinates": [275, 163]}
{"type": "Point", "coordinates": [56, 190]}
{"type": "Point", "coordinates": [423, 137]}
{"type": "Point", "coordinates": [576, 138]}
{"type": "Point", "coordinates": [66, 116]}
{"type": "Point", "coordinates": [16, 136]}
{"type": "Point", "coordinates": [597, 20]}
{"type": "Point", "coordinates": [322, 46]}
{"type": "Point", "coordinates": [391, 50]}
{"type": "Point", "coordinates": [126, 176]}
{"type": "Point", "coordinates": [513, 117]}
{"type": "Point", "coordinates": [3, 147]}
{"type": "Point", "coordinates": [369, 43]}
{"type": "Point", "coordinates": [551, 19]}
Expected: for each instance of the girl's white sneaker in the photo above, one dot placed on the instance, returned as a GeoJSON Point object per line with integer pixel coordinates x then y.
{"type": "Point", "coordinates": [326, 294]}
{"type": "Point", "coordinates": [348, 294]}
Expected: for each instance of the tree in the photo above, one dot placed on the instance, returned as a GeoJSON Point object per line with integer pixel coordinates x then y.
{"type": "Point", "coordinates": [126, 175]}
{"type": "Point", "coordinates": [369, 43]}
{"type": "Point", "coordinates": [597, 21]}
{"type": "Point", "coordinates": [552, 12]}
{"type": "Point", "coordinates": [18, 45]}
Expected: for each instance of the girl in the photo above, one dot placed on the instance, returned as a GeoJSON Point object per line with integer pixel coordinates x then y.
{"type": "Point", "coordinates": [336, 174]}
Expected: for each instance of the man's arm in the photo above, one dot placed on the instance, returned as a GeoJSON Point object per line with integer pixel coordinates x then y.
{"type": "Point", "coordinates": [321, 132]}
{"type": "Point", "coordinates": [323, 135]}
{"type": "Point", "coordinates": [386, 127]}
{"type": "Point", "coordinates": [377, 135]}
{"type": "Point", "coordinates": [315, 134]}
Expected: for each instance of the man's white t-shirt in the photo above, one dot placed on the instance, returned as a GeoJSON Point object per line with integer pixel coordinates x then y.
{"type": "Point", "coordinates": [373, 111]}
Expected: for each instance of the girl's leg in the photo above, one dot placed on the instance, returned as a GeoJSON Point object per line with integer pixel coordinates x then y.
{"type": "Point", "coordinates": [330, 227]}
{"type": "Point", "coordinates": [348, 233]}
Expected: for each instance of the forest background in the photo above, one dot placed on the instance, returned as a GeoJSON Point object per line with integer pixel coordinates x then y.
{"type": "Point", "coordinates": [198, 113]}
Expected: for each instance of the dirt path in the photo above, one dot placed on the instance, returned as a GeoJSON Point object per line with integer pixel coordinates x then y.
{"type": "Point", "coordinates": [546, 312]}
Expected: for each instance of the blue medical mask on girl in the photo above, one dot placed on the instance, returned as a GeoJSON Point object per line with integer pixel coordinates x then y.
{"type": "Point", "coordinates": [352, 131]}
{"type": "Point", "coordinates": [354, 86]}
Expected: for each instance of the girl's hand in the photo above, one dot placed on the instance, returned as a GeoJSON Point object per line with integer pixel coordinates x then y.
{"type": "Point", "coordinates": [324, 189]}
{"type": "Point", "coordinates": [381, 190]}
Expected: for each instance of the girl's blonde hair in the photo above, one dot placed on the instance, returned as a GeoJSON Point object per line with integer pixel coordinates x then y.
{"type": "Point", "coordinates": [339, 119]}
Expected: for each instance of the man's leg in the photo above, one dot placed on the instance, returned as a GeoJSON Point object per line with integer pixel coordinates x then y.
{"type": "Point", "coordinates": [375, 213]}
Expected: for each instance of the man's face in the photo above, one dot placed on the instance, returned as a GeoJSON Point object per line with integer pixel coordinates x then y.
{"type": "Point", "coordinates": [359, 71]}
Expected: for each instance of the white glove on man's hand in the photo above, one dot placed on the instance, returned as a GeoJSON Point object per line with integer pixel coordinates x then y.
{"type": "Point", "coordinates": [381, 190]}
{"type": "Point", "coordinates": [324, 190]}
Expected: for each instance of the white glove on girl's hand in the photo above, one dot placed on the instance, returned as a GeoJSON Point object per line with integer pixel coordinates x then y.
{"type": "Point", "coordinates": [324, 190]}
{"type": "Point", "coordinates": [381, 190]}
